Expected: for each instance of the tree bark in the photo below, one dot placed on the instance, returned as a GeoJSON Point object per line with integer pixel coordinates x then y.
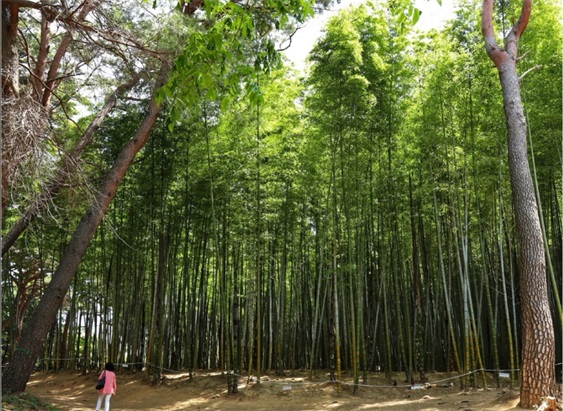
{"type": "Point", "coordinates": [10, 78]}
{"type": "Point", "coordinates": [538, 339]}
{"type": "Point", "coordinates": [10, 81]}
{"type": "Point", "coordinates": [41, 321]}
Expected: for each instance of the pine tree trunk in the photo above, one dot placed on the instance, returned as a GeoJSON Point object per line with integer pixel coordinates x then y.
{"type": "Point", "coordinates": [510, 333]}
{"type": "Point", "coordinates": [538, 339]}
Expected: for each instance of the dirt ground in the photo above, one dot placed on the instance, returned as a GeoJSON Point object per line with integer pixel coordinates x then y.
{"type": "Point", "coordinates": [208, 391]}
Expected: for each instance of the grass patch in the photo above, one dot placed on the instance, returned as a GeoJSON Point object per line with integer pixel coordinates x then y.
{"type": "Point", "coordinates": [24, 402]}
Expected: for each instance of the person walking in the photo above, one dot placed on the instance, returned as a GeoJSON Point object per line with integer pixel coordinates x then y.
{"type": "Point", "coordinates": [109, 388]}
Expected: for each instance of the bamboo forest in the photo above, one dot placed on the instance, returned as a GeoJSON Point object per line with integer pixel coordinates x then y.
{"type": "Point", "coordinates": [178, 196]}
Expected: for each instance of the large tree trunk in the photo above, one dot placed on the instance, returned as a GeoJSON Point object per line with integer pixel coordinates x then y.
{"type": "Point", "coordinates": [10, 78]}
{"type": "Point", "coordinates": [37, 327]}
{"type": "Point", "coordinates": [538, 339]}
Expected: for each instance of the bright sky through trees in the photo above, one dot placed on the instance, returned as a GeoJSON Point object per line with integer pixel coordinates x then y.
{"type": "Point", "coordinates": [432, 16]}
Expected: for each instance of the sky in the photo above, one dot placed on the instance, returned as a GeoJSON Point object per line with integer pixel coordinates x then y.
{"type": "Point", "coordinates": [433, 16]}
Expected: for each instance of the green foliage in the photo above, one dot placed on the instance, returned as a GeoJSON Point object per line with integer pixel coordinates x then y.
{"type": "Point", "coordinates": [25, 401]}
{"type": "Point", "coordinates": [404, 13]}
{"type": "Point", "coordinates": [540, 64]}
{"type": "Point", "coordinates": [227, 51]}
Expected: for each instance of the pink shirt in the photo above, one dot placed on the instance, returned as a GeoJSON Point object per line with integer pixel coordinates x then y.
{"type": "Point", "coordinates": [111, 383]}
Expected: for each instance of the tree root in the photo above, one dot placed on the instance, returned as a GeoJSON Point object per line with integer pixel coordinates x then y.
{"type": "Point", "coordinates": [550, 404]}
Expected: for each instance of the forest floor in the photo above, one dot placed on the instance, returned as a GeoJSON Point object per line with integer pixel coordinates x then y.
{"type": "Point", "coordinates": [208, 391]}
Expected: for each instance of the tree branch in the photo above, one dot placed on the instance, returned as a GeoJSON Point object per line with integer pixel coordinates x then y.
{"type": "Point", "coordinates": [290, 39]}
{"type": "Point", "coordinates": [523, 55]}
{"type": "Point", "coordinates": [522, 22]}
{"type": "Point", "coordinates": [536, 67]}
{"type": "Point", "coordinates": [496, 54]}
{"type": "Point", "coordinates": [61, 51]}
{"type": "Point", "coordinates": [511, 40]}
{"type": "Point", "coordinates": [117, 37]}
{"type": "Point", "coordinates": [25, 3]}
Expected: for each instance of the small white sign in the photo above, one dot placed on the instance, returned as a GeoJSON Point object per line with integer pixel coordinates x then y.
{"type": "Point", "coordinates": [287, 387]}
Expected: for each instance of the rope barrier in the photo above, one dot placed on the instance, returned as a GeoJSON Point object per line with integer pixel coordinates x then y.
{"type": "Point", "coordinates": [288, 383]}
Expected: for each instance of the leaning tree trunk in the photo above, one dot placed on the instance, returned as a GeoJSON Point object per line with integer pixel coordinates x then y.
{"type": "Point", "coordinates": [41, 321]}
{"type": "Point", "coordinates": [538, 340]}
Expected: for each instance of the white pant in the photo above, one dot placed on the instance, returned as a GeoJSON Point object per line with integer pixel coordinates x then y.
{"type": "Point", "coordinates": [106, 403]}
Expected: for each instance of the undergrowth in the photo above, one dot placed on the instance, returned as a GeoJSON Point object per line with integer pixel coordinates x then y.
{"type": "Point", "coordinates": [24, 402]}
